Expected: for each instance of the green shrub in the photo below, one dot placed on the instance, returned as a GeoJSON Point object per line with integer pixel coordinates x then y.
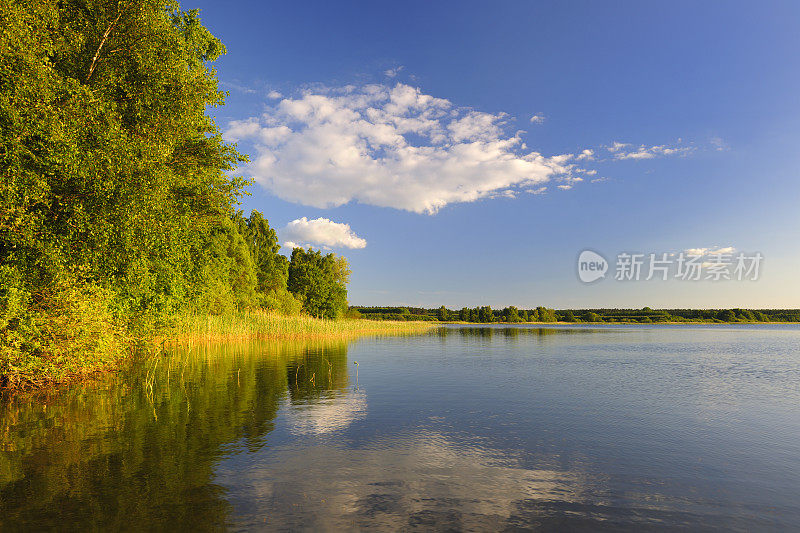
{"type": "Point", "coordinates": [64, 329]}
{"type": "Point", "coordinates": [282, 301]}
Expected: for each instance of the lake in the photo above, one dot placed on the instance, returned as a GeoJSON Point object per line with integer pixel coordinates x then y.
{"type": "Point", "coordinates": [465, 428]}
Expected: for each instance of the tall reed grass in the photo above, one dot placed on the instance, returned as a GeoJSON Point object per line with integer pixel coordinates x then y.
{"type": "Point", "coordinates": [272, 325]}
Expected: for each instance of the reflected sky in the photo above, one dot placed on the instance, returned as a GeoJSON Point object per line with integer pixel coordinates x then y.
{"type": "Point", "coordinates": [327, 414]}
{"type": "Point", "coordinates": [465, 428]}
{"type": "Point", "coordinates": [421, 478]}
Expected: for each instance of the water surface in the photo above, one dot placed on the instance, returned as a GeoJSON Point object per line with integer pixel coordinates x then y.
{"type": "Point", "coordinates": [466, 428]}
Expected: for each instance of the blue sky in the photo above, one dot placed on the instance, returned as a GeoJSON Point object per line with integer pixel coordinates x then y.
{"type": "Point", "coordinates": [412, 124]}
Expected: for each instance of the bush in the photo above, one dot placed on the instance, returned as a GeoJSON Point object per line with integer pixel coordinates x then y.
{"type": "Point", "coordinates": [352, 313]}
{"type": "Point", "coordinates": [66, 328]}
{"type": "Point", "coordinates": [282, 301]}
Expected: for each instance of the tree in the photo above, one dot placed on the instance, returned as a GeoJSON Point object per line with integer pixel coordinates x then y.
{"type": "Point", "coordinates": [590, 316]}
{"type": "Point", "coordinates": [568, 316]}
{"type": "Point", "coordinates": [272, 268]}
{"type": "Point", "coordinates": [511, 314]}
{"type": "Point", "coordinates": [112, 174]}
{"type": "Point", "coordinates": [442, 314]}
{"type": "Point", "coordinates": [228, 279]}
{"type": "Point", "coordinates": [544, 314]}
{"type": "Point", "coordinates": [485, 314]}
{"type": "Point", "coordinates": [114, 184]}
{"type": "Point", "coordinates": [319, 281]}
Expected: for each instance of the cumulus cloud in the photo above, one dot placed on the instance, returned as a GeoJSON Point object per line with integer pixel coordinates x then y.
{"type": "Point", "coordinates": [395, 146]}
{"type": "Point", "coordinates": [320, 232]}
{"type": "Point", "coordinates": [624, 151]}
{"type": "Point", "coordinates": [389, 146]}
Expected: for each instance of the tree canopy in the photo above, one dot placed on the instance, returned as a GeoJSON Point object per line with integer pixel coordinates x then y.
{"type": "Point", "coordinates": [319, 281]}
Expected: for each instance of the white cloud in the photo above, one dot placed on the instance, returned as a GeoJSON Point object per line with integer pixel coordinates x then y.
{"type": "Point", "coordinates": [394, 146]}
{"type": "Point", "coordinates": [720, 251]}
{"type": "Point", "coordinates": [695, 251]}
{"type": "Point", "coordinates": [537, 119]}
{"type": "Point", "coordinates": [621, 151]}
{"type": "Point", "coordinates": [393, 72]}
{"type": "Point", "coordinates": [319, 232]}
{"type": "Point", "coordinates": [719, 144]}
{"type": "Point", "coordinates": [617, 146]}
{"type": "Point", "coordinates": [238, 87]}
{"type": "Point", "coordinates": [390, 147]}
{"type": "Point", "coordinates": [714, 250]}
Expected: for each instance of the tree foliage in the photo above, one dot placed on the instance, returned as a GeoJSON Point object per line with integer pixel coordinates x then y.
{"type": "Point", "coordinates": [112, 172]}
{"type": "Point", "coordinates": [115, 183]}
{"type": "Point", "coordinates": [319, 281]}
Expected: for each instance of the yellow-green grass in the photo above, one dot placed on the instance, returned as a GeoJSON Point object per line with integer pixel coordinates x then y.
{"type": "Point", "coordinates": [271, 325]}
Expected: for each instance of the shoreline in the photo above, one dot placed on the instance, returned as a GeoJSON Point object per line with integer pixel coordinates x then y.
{"type": "Point", "coordinates": [48, 373]}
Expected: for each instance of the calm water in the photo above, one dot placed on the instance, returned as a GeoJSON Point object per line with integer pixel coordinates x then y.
{"type": "Point", "coordinates": [480, 428]}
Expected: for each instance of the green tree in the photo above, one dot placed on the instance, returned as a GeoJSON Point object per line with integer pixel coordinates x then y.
{"type": "Point", "coordinates": [113, 180]}
{"type": "Point", "coordinates": [511, 314]}
{"type": "Point", "coordinates": [228, 278]}
{"type": "Point", "coordinates": [112, 174]}
{"type": "Point", "coordinates": [544, 314]}
{"type": "Point", "coordinates": [485, 314]}
{"type": "Point", "coordinates": [591, 316]}
{"type": "Point", "coordinates": [319, 282]}
{"type": "Point", "coordinates": [272, 268]}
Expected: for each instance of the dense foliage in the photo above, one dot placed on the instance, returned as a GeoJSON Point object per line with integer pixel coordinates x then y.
{"type": "Point", "coordinates": [115, 189]}
{"type": "Point", "coordinates": [319, 281]}
{"type": "Point", "coordinates": [511, 314]}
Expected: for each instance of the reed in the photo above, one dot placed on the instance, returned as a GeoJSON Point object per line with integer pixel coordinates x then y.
{"type": "Point", "coordinates": [263, 324]}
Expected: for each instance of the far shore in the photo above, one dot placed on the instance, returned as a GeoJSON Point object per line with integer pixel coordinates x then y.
{"type": "Point", "coordinates": [623, 323]}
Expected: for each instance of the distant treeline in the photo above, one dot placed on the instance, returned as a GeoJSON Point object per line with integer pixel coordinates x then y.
{"type": "Point", "coordinates": [486, 314]}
